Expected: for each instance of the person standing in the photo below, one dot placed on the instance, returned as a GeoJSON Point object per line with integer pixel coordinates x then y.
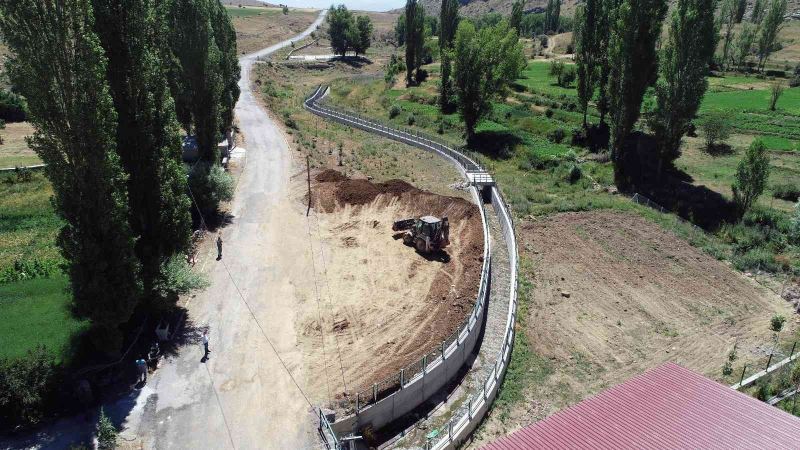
{"type": "Point", "coordinates": [141, 366]}
{"type": "Point", "coordinates": [205, 345]}
{"type": "Point", "coordinates": [219, 246]}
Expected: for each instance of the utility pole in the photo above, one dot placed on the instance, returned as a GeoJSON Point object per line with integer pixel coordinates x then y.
{"type": "Point", "coordinates": [308, 174]}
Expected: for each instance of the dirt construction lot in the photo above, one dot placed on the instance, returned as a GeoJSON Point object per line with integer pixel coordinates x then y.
{"type": "Point", "coordinates": [615, 294]}
{"type": "Point", "coordinates": [381, 305]}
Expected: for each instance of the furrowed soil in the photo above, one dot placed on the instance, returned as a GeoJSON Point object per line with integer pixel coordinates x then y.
{"type": "Point", "coordinates": [615, 295]}
{"type": "Point", "coordinates": [381, 305]}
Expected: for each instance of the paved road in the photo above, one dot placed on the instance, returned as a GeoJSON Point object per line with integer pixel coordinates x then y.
{"type": "Point", "coordinates": [243, 397]}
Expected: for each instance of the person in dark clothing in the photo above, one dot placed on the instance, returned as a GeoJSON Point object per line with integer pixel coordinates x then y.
{"type": "Point", "coordinates": [219, 247]}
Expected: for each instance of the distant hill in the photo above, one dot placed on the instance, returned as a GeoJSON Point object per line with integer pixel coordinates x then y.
{"type": "Point", "coordinates": [475, 8]}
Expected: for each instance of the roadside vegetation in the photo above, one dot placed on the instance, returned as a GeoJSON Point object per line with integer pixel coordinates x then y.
{"type": "Point", "coordinates": [554, 137]}
{"type": "Point", "coordinates": [94, 244]}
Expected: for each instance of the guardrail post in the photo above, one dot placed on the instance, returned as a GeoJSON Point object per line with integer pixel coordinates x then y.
{"type": "Point", "coordinates": [741, 380]}
{"type": "Point", "coordinates": [469, 409]}
{"type": "Point", "coordinates": [450, 430]}
{"type": "Point", "coordinates": [792, 353]}
{"type": "Point", "coordinates": [424, 363]}
{"type": "Point", "coordinates": [402, 378]}
{"type": "Point", "coordinates": [769, 360]}
{"type": "Point", "coordinates": [358, 401]}
{"type": "Point", "coordinates": [375, 392]}
{"type": "Point", "coordinates": [443, 357]}
{"type": "Point", "coordinates": [496, 377]}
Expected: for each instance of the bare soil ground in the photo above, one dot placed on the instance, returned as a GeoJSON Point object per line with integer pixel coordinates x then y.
{"type": "Point", "coordinates": [381, 305]}
{"type": "Point", "coordinates": [14, 150]}
{"type": "Point", "coordinates": [268, 26]}
{"type": "Point", "coordinates": [615, 295]}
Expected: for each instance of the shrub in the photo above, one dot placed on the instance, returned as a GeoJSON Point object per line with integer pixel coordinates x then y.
{"type": "Point", "coordinates": [210, 186]}
{"type": "Point", "coordinates": [25, 385]}
{"type": "Point", "coordinates": [106, 433]}
{"type": "Point", "coordinates": [776, 324]}
{"type": "Point", "coordinates": [764, 391]}
{"type": "Point", "coordinates": [534, 160]}
{"type": "Point", "coordinates": [440, 129]}
{"type": "Point", "coordinates": [567, 76]}
{"type": "Point", "coordinates": [715, 127]}
{"type": "Point", "coordinates": [289, 120]}
{"type": "Point", "coordinates": [557, 135]}
{"type": "Point", "coordinates": [756, 259]}
{"type": "Point", "coordinates": [794, 226]}
{"type": "Point", "coordinates": [786, 191]}
{"type": "Point", "coordinates": [28, 269]}
{"type": "Point", "coordinates": [574, 174]}
{"type": "Point", "coordinates": [548, 112]}
{"type": "Point", "coordinates": [411, 119]}
{"type": "Point", "coordinates": [727, 369]}
{"type": "Point", "coordinates": [751, 176]}
{"type": "Point", "coordinates": [177, 278]}
{"type": "Point", "coordinates": [13, 108]}
{"type": "Point", "coordinates": [394, 111]}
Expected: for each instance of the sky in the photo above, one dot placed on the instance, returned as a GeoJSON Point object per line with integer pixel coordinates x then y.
{"type": "Point", "coordinates": [362, 5]}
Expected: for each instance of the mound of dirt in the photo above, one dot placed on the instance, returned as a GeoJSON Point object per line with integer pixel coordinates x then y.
{"type": "Point", "coordinates": [330, 175]}
{"type": "Point", "coordinates": [398, 304]}
{"type": "Point", "coordinates": [337, 190]}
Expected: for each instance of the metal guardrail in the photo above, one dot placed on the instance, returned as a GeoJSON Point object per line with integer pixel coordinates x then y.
{"type": "Point", "coordinates": [372, 394]}
{"type": "Point", "coordinates": [459, 427]}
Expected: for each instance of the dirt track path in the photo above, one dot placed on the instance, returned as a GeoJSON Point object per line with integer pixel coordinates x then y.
{"type": "Point", "coordinates": [243, 397]}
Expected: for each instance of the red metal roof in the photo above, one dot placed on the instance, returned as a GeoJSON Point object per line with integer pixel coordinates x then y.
{"type": "Point", "coordinates": [667, 407]}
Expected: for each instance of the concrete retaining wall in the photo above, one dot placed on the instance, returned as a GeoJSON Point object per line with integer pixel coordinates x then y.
{"type": "Point", "coordinates": [440, 371]}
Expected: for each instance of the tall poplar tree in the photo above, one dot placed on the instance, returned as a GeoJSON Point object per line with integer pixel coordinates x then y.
{"type": "Point", "coordinates": [59, 65]}
{"type": "Point", "coordinates": [411, 36]}
{"type": "Point", "coordinates": [770, 26]}
{"type": "Point", "coordinates": [198, 85]}
{"type": "Point", "coordinates": [448, 22]}
{"type": "Point", "coordinates": [727, 20]}
{"type": "Point", "coordinates": [517, 9]}
{"type": "Point", "coordinates": [635, 29]}
{"type": "Point", "coordinates": [606, 16]}
{"type": "Point", "coordinates": [588, 58]}
{"type": "Point", "coordinates": [148, 137]}
{"type": "Point", "coordinates": [225, 39]}
{"type": "Point", "coordinates": [683, 67]}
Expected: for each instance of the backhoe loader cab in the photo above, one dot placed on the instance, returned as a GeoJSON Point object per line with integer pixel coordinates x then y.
{"type": "Point", "coordinates": [427, 234]}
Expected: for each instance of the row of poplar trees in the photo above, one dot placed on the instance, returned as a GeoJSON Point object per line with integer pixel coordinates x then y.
{"type": "Point", "coordinates": [617, 62]}
{"type": "Point", "coordinates": [109, 84]}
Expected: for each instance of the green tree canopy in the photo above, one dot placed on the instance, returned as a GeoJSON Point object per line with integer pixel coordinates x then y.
{"type": "Point", "coordinates": [751, 177]}
{"type": "Point", "coordinates": [683, 67]}
{"type": "Point", "coordinates": [517, 10]}
{"type": "Point", "coordinates": [588, 58]}
{"type": "Point", "coordinates": [486, 62]}
{"type": "Point", "coordinates": [635, 28]}
{"type": "Point", "coordinates": [770, 26]}
{"type": "Point", "coordinates": [147, 140]}
{"type": "Point", "coordinates": [340, 23]}
{"type": "Point", "coordinates": [60, 67]}
{"type": "Point", "coordinates": [448, 21]}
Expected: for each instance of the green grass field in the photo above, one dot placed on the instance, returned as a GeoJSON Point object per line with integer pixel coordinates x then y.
{"type": "Point", "coordinates": [32, 312]}
{"type": "Point", "coordinates": [536, 78]}
{"type": "Point", "coordinates": [35, 312]}
{"type": "Point", "coordinates": [757, 99]}
{"type": "Point", "coordinates": [28, 224]}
